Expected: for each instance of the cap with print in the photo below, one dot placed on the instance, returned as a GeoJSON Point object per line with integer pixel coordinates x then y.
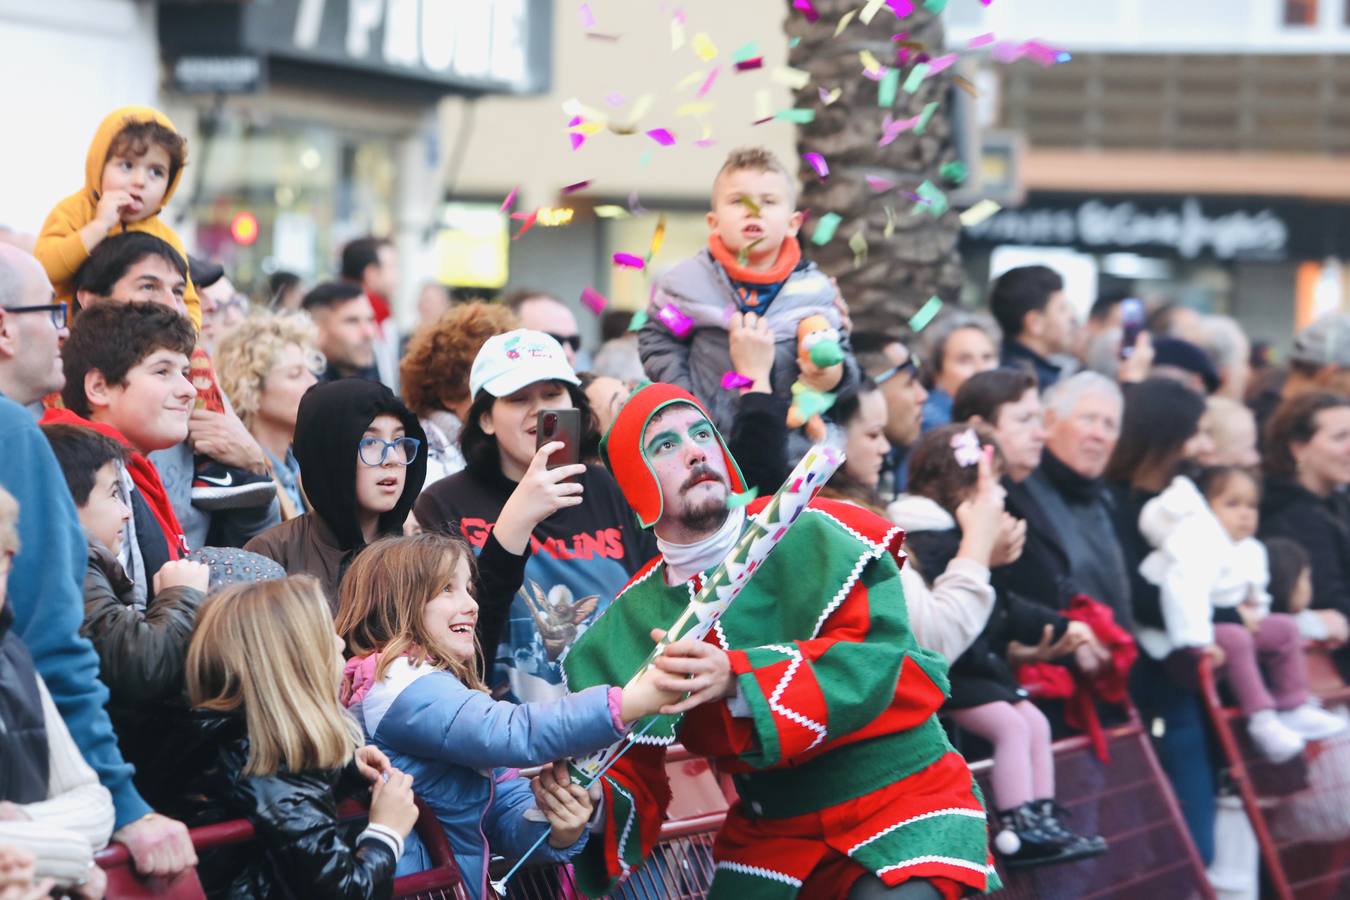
{"type": "Point", "coordinates": [508, 362]}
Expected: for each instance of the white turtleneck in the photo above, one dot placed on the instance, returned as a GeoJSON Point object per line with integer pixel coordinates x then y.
{"type": "Point", "coordinates": [684, 561]}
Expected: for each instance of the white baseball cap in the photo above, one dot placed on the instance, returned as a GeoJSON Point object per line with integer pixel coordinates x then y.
{"type": "Point", "coordinates": [511, 361]}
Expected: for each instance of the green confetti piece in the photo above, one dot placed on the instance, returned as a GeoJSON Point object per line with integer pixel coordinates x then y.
{"type": "Point", "coordinates": [825, 228]}
{"type": "Point", "coordinates": [935, 201]}
{"type": "Point", "coordinates": [935, 6]}
{"type": "Point", "coordinates": [742, 499]}
{"type": "Point", "coordinates": [954, 172]}
{"type": "Point", "coordinates": [916, 77]}
{"type": "Point", "coordinates": [794, 42]}
{"type": "Point", "coordinates": [919, 321]}
{"type": "Point", "coordinates": [747, 51]}
{"type": "Point", "coordinates": [887, 87]}
{"type": "Point", "coordinates": [639, 319]}
{"type": "Point", "coordinates": [645, 159]}
{"type": "Point", "coordinates": [925, 117]}
{"type": "Point", "coordinates": [796, 116]}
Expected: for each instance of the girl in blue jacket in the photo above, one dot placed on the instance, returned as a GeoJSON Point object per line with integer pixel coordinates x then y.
{"type": "Point", "coordinates": [408, 616]}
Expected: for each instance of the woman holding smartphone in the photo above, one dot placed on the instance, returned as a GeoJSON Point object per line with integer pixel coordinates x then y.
{"type": "Point", "coordinates": [524, 502]}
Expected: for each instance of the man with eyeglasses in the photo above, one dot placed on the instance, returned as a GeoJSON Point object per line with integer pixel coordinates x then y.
{"type": "Point", "coordinates": [539, 311]}
{"type": "Point", "coordinates": [46, 580]}
{"type": "Point", "coordinates": [888, 362]}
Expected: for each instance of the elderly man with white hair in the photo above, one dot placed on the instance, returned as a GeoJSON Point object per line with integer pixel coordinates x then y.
{"type": "Point", "coordinates": [1082, 424]}
{"type": "Point", "coordinates": [1226, 345]}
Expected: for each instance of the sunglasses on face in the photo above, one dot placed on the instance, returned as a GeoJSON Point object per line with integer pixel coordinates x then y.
{"type": "Point", "coordinates": [374, 451]}
{"type": "Point", "coordinates": [58, 312]}
{"type": "Point", "coordinates": [570, 340]}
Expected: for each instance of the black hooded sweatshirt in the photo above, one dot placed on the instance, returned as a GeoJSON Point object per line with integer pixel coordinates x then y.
{"type": "Point", "coordinates": [333, 418]}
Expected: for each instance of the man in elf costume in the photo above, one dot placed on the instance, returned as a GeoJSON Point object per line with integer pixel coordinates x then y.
{"type": "Point", "coordinates": [810, 690]}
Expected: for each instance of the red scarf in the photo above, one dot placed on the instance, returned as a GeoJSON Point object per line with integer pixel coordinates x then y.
{"type": "Point", "coordinates": [1079, 691]}
{"type": "Point", "coordinates": [381, 307]}
{"type": "Point", "coordinates": [143, 474]}
{"type": "Point", "coordinates": [788, 256]}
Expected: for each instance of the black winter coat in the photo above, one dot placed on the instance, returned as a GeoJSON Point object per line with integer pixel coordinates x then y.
{"type": "Point", "coordinates": [1042, 573]}
{"type": "Point", "coordinates": [23, 731]}
{"type": "Point", "coordinates": [982, 674]}
{"type": "Point", "coordinates": [141, 654]}
{"type": "Point", "coordinates": [302, 850]}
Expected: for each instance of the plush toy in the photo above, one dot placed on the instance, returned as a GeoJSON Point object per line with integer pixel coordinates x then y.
{"type": "Point", "coordinates": [820, 360]}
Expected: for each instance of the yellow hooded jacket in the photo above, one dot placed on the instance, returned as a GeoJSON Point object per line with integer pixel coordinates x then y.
{"type": "Point", "coordinates": [59, 247]}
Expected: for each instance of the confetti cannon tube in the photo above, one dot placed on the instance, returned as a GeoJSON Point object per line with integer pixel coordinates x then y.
{"type": "Point", "coordinates": [723, 583]}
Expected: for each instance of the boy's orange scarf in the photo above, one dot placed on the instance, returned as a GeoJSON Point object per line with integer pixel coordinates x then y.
{"type": "Point", "coordinates": [789, 255]}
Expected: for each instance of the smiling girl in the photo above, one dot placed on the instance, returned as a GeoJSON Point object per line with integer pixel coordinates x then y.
{"type": "Point", "coordinates": [576, 539]}
{"type": "Point", "coordinates": [408, 615]}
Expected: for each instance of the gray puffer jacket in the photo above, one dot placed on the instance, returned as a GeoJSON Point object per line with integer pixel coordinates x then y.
{"type": "Point", "coordinates": [700, 288]}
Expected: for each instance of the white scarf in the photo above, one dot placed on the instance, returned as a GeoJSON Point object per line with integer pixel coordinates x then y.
{"type": "Point", "coordinates": [684, 561]}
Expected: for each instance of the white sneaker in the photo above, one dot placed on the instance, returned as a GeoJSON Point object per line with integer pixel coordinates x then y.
{"type": "Point", "coordinates": [1276, 740]}
{"type": "Point", "coordinates": [1311, 722]}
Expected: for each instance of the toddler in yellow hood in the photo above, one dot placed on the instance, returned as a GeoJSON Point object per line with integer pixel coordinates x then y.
{"type": "Point", "coordinates": [130, 172]}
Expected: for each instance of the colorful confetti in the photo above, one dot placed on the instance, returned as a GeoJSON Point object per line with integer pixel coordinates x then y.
{"type": "Point", "coordinates": [734, 381]}
{"type": "Point", "coordinates": [935, 6]}
{"type": "Point", "coordinates": [506, 204]}
{"type": "Point", "coordinates": [893, 128]}
{"type": "Point", "coordinates": [858, 244]}
{"type": "Point", "coordinates": [981, 40]}
{"type": "Point", "coordinates": [629, 261]}
{"type": "Point", "coordinates": [695, 108]}
{"type": "Point", "coordinates": [658, 237]}
{"type": "Point", "coordinates": [954, 172]}
{"type": "Point", "coordinates": [745, 52]}
{"type": "Point", "coordinates": [796, 116]}
{"type": "Point", "coordinates": [743, 257]}
{"type": "Point", "coordinates": [661, 136]}
{"type": "Point", "coordinates": [703, 47]}
{"type": "Point", "coordinates": [614, 98]}
{"type": "Point", "coordinates": [869, 11]}
{"type": "Point", "coordinates": [708, 82]}
{"type": "Point", "coordinates": [916, 77]}
{"type": "Point", "coordinates": [611, 211]}
{"type": "Point", "coordinates": [587, 17]}
{"type": "Point", "coordinates": [920, 319]}
{"type": "Point", "coordinates": [825, 228]}
{"type": "Point", "coordinates": [901, 8]}
{"type": "Point", "coordinates": [679, 324]}
{"type": "Point", "coordinates": [793, 78]}
{"type": "Point", "coordinates": [529, 220]}
{"type": "Point", "coordinates": [634, 206]}
{"type": "Point", "coordinates": [639, 319]}
{"type": "Point", "coordinates": [925, 117]}
{"type": "Point", "coordinates": [887, 88]}
{"type": "Point", "coordinates": [806, 9]}
{"type": "Point", "coordinates": [576, 186]}
{"type": "Point", "coordinates": [763, 110]}
{"type": "Point", "coordinates": [872, 66]}
{"type": "Point", "coordinates": [934, 198]}
{"type": "Point", "coordinates": [746, 65]}
{"type": "Point", "coordinates": [941, 63]}
{"type": "Point", "coordinates": [978, 213]}
{"type": "Point", "coordinates": [828, 97]}
{"type": "Point", "coordinates": [750, 204]}
{"type": "Point", "coordinates": [676, 34]}
{"type": "Point", "coordinates": [878, 184]}
{"type": "Point", "coordinates": [593, 300]}
{"type": "Point", "coordinates": [843, 22]}
{"type": "Point", "coordinates": [818, 163]}
{"type": "Point", "coordinates": [889, 230]}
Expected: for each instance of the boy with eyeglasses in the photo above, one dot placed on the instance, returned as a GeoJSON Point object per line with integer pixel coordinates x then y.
{"type": "Point", "coordinates": [363, 460]}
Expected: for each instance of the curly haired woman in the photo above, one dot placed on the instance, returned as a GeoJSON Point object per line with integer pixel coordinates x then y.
{"type": "Point", "coordinates": [265, 365]}
{"type": "Point", "coordinates": [435, 377]}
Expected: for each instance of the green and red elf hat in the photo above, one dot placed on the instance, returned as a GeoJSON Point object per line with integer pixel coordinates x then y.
{"type": "Point", "coordinates": [622, 450]}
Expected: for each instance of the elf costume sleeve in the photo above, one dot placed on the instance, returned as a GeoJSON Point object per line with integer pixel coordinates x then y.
{"type": "Point", "coordinates": [855, 678]}
{"type": "Point", "coordinates": [636, 793]}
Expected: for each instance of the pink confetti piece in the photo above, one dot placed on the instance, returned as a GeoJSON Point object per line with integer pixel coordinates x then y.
{"type": "Point", "coordinates": [901, 8]}
{"type": "Point", "coordinates": [506, 204]}
{"type": "Point", "coordinates": [577, 140]}
{"type": "Point", "coordinates": [529, 220]}
{"type": "Point", "coordinates": [708, 82]}
{"type": "Point", "coordinates": [892, 129]}
{"type": "Point", "coordinates": [981, 40]}
{"type": "Point", "coordinates": [941, 63]}
{"type": "Point", "coordinates": [734, 381]}
{"type": "Point", "coordinates": [875, 74]}
{"type": "Point", "coordinates": [704, 142]}
{"type": "Point", "coordinates": [878, 184]}
{"type": "Point", "coordinates": [615, 99]}
{"type": "Point", "coordinates": [818, 163]}
{"type": "Point", "coordinates": [1007, 52]}
{"type": "Point", "coordinates": [634, 206]}
{"type": "Point", "coordinates": [754, 62]}
{"type": "Point", "coordinates": [661, 136]}
{"type": "Point", "coordinates": [573, 188]}
{"type": "Point", "coordinates": [587, 17]}
{"type": "Point", "coordinates": [1041, 53]}
{"type": "Point", "coordinates": [806, 9]}
{"type": "Point", "coordinates": [679, 324]}
{"type": "Point", "coordinates": [593, 300]}
{"type": "Point", "coordinates": [629, 261]}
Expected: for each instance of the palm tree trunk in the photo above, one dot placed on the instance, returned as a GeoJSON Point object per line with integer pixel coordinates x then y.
{"type": "Point", "coordinates": [919, 259]}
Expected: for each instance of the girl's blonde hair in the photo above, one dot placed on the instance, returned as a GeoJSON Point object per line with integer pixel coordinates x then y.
{"type": "Point", "coordinates": [268, 647]}
{"type": "Point", "coordinates": [248, 353]}
{"type": "Point", "coordinates": [384, 595]}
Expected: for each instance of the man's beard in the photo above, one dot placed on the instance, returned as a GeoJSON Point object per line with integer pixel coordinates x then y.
{"type": "Point", "coordinates": [708, 515]}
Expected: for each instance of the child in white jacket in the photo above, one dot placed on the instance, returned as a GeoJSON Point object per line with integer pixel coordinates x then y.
{"type": "Point", "coordinates": [1212, 576]}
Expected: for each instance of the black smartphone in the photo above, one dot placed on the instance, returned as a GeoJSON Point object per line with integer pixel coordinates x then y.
{"type": "Point", "coordinates": [1131, 324]}
{"type": "Point", "coordinates": [560, 425]}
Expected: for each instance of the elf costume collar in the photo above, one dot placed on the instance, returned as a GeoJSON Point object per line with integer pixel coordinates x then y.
{"type": "Point", "coordinates": [622, 450]}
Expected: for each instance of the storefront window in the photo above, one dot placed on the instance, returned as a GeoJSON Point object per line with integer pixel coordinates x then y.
{"type": "Point", "coordinates": [310, 187]}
